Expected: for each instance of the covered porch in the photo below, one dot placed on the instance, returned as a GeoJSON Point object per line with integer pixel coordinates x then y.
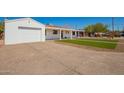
{"type": "Point", "coordinates": [61, 33]}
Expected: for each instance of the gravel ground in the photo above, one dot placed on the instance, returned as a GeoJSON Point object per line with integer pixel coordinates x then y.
{"type": "Point", "coordinates": [50, 58]}
{"type": "Point", "coordinates": [120, 46]}
{"type": "Point", "coordinates": [1, 43]}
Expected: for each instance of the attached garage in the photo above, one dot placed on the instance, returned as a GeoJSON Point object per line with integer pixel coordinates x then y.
{"type": "Point", "coordinates": [23, 30]}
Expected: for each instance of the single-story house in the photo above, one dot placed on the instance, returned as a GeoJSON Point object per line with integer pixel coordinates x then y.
{"type": "Point", "coordinates": [58, 32]}
{"type": "Point", "coordinates": [26, 30]}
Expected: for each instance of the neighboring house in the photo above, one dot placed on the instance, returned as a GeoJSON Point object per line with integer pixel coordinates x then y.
{"type": "Point", "coordinates": [26, 30]}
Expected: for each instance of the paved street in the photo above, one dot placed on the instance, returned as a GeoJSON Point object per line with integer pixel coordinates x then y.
{"type": "Point", "coordinates": [57, 59]}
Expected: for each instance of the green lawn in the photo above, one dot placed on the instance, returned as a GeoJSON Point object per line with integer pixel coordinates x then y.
{"type": "Point", "coordinates": [101, 43]}
{"type": "Point", "coordinates": [99, 39]}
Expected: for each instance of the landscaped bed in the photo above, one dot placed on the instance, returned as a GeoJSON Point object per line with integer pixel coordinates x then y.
{"type": "Point", "coordinates": [101, 43]}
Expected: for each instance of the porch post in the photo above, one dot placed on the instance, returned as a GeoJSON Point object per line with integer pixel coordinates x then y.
{"type": "Point", "coordinates": [75, 33]}
{"type": "Point", "coordinates": [60, 34]}
{"type": "Point", "coordinates": [71, 34]}
{"type": "Point", "coordinates": [78, 34]}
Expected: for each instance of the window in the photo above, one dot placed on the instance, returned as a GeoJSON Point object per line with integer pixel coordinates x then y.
{"type": "Point", "coordinates": [73, 33]}
{"type": "Point", "coordinates": [28, 28]}
{"type": "Point", "coordinates": [67, 32]}
{"type": "Point", "coordinates": [55, 32]}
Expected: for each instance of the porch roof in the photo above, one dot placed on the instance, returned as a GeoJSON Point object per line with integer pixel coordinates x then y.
{"type": "Point", "coordinates": [61, 28]}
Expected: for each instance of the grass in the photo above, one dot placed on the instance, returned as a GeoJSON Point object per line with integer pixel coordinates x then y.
{"type": "Point", "coordinates": [113, 40]}
{"type": "Point", "coordinates": [101, 43]}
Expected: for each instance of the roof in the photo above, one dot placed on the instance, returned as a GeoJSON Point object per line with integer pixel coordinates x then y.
{"type": "Point", "coordinates": [13, 20]}
{"type": "Point", "coordinates": [59, 27]}
{"type": "Point", "coordinates": [20, 19]}
{"type": "Point", "coordinates": [53, 26]}
{"type": "Point", "coordinates": [47, 26]}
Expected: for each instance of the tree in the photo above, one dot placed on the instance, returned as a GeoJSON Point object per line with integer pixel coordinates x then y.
{"type": "Point", "coordinates": [89, 28]}
{"type": "Point", "coordinates": [1, 26]}
{"type": "Point", "coordinates": [96, 28]}
{"type": "Point", "coordinates": [99, 27]}
{"type": "Point", "coordinates": [1, 29]}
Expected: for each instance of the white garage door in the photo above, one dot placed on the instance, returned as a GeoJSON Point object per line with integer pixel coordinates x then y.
{"type": "Point", "coordinates": [30, 34]}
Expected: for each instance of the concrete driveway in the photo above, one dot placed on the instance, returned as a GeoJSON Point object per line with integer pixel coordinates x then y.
{"type": "Point", "coordinates": [58, 59]}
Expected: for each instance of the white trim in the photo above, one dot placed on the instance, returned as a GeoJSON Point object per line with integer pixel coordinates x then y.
{"type": "Point", "coordinates": [60, 34]}
{"type": "Point", "coordinates": [62, 29]}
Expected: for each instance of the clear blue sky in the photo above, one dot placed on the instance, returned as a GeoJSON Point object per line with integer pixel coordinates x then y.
{"type": "Point", "coordinates": [78, 22]}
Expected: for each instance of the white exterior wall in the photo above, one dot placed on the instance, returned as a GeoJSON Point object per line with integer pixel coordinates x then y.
{"type": "Point", "coordinates": [67, 35]}
{"type": "Point", "coordinates": [13, 35]}
{"type": "Point", "coordinates": [51, 36]}
{"type": "Point", "coordinates": [74, 36]}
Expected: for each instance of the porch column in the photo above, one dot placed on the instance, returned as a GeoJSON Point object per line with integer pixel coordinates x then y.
{"type": "Point", "coordinates": [75, 33]}
{"type": "Point", "coordinates": [70, 34]}
{"type": "Point", "coordinates": [60, 34]}
{"type": "Point", "coordinates": [43, 37]}
{"type": "Point", "coordinates": [78, 34]}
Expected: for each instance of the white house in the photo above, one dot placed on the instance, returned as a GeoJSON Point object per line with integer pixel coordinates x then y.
{"type": "Point", "coordinates": [57, 32]}
{"type": "Point", "coordinates": [26, 30]}
{"type": "Point", "coordinates": [23, 30]}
